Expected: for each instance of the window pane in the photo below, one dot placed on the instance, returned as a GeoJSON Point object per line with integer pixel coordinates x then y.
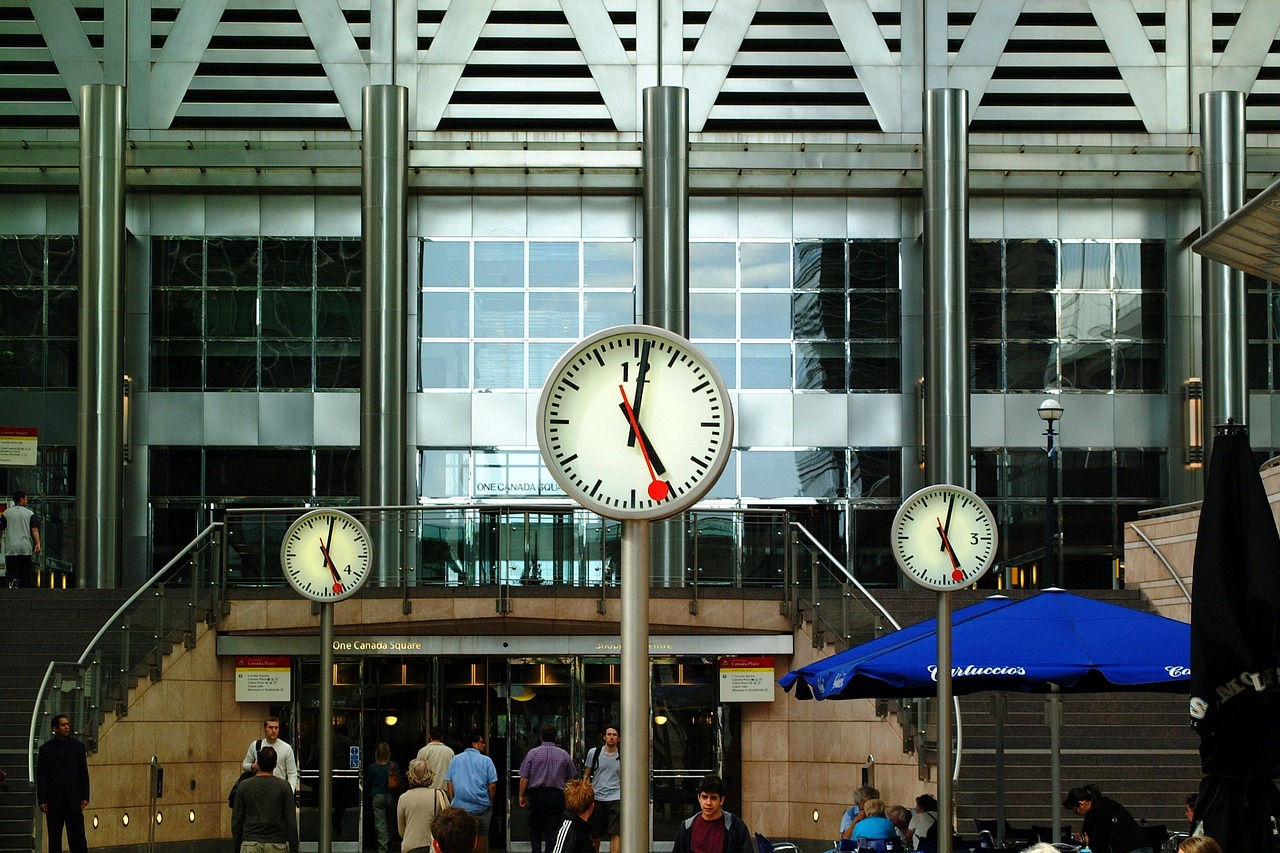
{"type": "Point", "coordinates": [1258, 366]}
{"type": "Point", "coordinates": [1031, 315]}
{"type": "Point", "coordinates": [818, 314]}
{"type": "Point", "coordinates": [1140, 367]}
{"type": "Point", "coordinates": [873, 314]}
{"type": "Point", "coordinates": [175, 472]}
{"type": "Point", "coordinates": [260, 471]}
{"type": "Point", "coordinates": [553, 265]}
{"type": "Point", "coordinates": [499, 264]}
{"type": "Point", "coordinates": [179, 263]}
{"type": "Point", "coordinates": [1086, 367]}
{"type": "Point", "coordinates": [232, 364]}
{"type": "Point", "coordinates": [984, 367]}
{"type": "Point", "coordinates": [446, 264]}
{"type": "Point", "coordinates": [175, 365]}
{"type": "Point", "coordinates": [63, 363]}
{"type": "Point", "coordinates": [286, 364]}
{"type": "Point", "coordinates": [766, 366]}
{"type": "Point", "coordinates": [499, 365]}
{"type": "Point", "coordinates": [1086, 316]}
{"type": "Point", "coordinates": [338, 472]}
{"type": "Point", "coordinates": [608, 264]}
{"type": "Point", "coordinates": [873, 264]}
{"type": "Point", "coordinates": [1140, 474]}
{"type": "Point", "coordinates": [874, 367]}
{"type": "Point", "coordinates": [339, 264]}
{"type": "Point", "coordinates": [339, 314]}
{"type": "Point", "coordinates": [23, 311]}
{"type": "Point", "coordinates": [1255, 314]}
{"type": "Point", "coordinates": [984, 265]}
{"type": "Point", "coordinates": [603, 310]}
{"type": "Point", "coordinates": [1129, 266]}
{"type": "Point", "coordinates": [1086, 473]}
{"type": "Point", "coordinates": [712, 315]}
{"type": "Point", "coordinates": [766, 265]}
{"type": "Point", "coordinates": [820, 266]}
{"type": "Point", "coordinates": [724, 357]}
{"type": "Point", "coordinates": [446, 315]}
{"type": "Point", "coordinates": [500, 315]}
{"type": "Point", "coordinates": [286, 314]}
{"type": "Point", "coordinates": [232, 263]}
{"type": "Point", "coordinates": [1140, 315]}
{"type": "Point", "coordinates": [286, 263]}
{"type": "Point", "coordinates": [713, 265]}
{"type": "Point", "coordinates": [769, 474]}
{"type": "Point", "coordinates": [231, 313]}
{"type": "Point", "coordinates": [766, 315]}
{"type": "Point", "coordinates": [64, 262]}
{"type": "Point", "coordinates": [875, 473]}
{"type": "Point", "coordinates": [1086, 266]}
{"type": "Point", "coordinates": [984, 315]}
{"type": "Point", "coordinates": [63, 319]}
{"type": "Point", "coordinates": [1030, 366]}
{"type": "Point", "coordinates": [445, 365]}
{"type": "Point", "coordinates": [338, 364]}
{"type": "Point", "coordinates": [820, 366]}
{"type": "Point", "coordinates": [1031, 265]}
{"type": "Point", "coordinates": [553, 314]}
{"type": "Point", "coordinates": [542, 357]}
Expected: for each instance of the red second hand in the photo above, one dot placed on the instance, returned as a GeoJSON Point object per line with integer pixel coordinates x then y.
{"type": "Point", "coordinates": [658, 489]}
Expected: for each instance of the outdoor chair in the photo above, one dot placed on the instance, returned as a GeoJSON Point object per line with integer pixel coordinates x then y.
{"type": "Point", "coordinates": [1157, 835]}
{"type": "Point", "coordinates": [764, 845]}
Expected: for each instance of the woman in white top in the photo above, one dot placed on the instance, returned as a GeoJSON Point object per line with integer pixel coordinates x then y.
{"type": "Point", "coordinates": [417, 807]}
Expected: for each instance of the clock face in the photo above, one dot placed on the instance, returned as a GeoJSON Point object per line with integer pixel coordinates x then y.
{"type": "Point", "coordinates": [944, 537]}
{"type": "Point", "coordinates": [326, 555]}
{"type": "Point", "coordinates": [635, 423]}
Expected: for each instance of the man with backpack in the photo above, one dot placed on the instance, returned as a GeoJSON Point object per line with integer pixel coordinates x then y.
{"type": "Point", "coordinates": [603, 771]}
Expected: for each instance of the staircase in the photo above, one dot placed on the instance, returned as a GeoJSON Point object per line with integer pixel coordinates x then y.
{"type": "Point", "coordinates": [1137, 747]}
{"type": "Point", "coordinates": [37, 626]}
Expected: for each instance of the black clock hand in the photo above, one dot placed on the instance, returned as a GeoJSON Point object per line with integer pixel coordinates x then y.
{"type": "Point", "coordinates": [659, 490]}
{"type": "Point", "coordinates": [946, 526]}
{"type": "Point", "coordinates": [641, 372]}
{"type": "Point", "coordinates": [648, 445]}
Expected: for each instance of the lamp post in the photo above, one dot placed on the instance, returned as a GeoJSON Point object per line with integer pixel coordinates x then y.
{"type": "Point", "coordinates": [1050, 412]}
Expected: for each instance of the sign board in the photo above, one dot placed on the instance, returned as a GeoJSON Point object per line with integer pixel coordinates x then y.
{"type": "Point", "coordinates": [263, 679]}
{"type": "Point", "coordinates": [18, 446]}
{"type": "Point", "coordinates": [746, 679]}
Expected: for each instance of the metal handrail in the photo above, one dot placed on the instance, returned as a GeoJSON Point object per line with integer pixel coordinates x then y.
{"type": "Point", "coordinates": [1186, 593]}
{"type": "Point", "coordinates": [847, 574]}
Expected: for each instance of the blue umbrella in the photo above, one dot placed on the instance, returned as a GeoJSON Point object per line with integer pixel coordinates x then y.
{"type": "Point", "coordinates": [1053, 642]}
{"type": "Point", "coordinates": [1050, 642]}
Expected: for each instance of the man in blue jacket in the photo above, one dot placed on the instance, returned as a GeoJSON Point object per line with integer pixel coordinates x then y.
{"type": "Point", "coordinates": [712, 829]}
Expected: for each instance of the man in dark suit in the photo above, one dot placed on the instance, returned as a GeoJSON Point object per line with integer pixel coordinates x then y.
{"type": "Point", "coordinates": [62, 786]}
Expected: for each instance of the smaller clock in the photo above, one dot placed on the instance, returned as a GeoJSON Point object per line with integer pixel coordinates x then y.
{"type": "Point", "coordinates": [944, 537]}
{"type": "Point", "coordinates": [326, 555]}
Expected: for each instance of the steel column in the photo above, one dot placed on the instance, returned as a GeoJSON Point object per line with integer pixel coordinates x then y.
{"type": "Point", "coordinates": [100, 395]}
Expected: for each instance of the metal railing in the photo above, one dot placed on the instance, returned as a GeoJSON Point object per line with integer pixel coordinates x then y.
{"type": "Point", "coordinates": [839, 603]}
{"type": "Point", "coordinates": [132, 642]}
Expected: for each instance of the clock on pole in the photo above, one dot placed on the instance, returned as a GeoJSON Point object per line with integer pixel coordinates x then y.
{"type": "Point", "coordinates": [944, 537]}
{"type": "Point", "coordinates": [635, 423]}
{"type": "Point", "coordinates": [326, 555]}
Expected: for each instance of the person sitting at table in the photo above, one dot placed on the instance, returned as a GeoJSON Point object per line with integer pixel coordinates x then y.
{"type": "Point", "coordinates": [872, 825]}
{"type": "Point", "coordinates": [922, 824]}
{"type": "Point", "coordinates": [854, 813]}
{"type": "Point", "coordinates": [1107, 824]}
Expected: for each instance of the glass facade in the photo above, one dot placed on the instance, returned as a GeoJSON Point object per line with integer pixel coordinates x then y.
{"type": "Point", "coordinates": [39, 306]}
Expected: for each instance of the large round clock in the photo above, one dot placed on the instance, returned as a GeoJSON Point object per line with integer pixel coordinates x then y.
{"type": "Point", "coordinates": [326, 555]}
{"type": "Point", "coordinates": [944, 537]}
{"type": "Point", "coordinates": [635, 423]}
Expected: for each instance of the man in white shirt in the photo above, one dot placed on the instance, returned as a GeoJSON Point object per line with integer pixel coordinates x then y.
{"type": "Point", "coordinates": [438, 757]}
{"type": "Point", "coordinates": [21, 531]}
{"type": "Point", "coordinates": [286, 765]}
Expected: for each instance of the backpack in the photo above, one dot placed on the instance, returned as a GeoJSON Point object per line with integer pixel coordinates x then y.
{"type": "Point", "coordinates": [248, 774]}
{"type": "Point", "coordinates": [595, 761]}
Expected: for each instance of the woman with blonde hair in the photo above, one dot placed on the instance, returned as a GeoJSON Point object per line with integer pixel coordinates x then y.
{"type": "Point", "coordinates": [1199, 844]}
{"type": "Point", "coordinates": [417, 807]}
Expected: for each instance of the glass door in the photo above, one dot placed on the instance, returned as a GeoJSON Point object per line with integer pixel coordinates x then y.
{"type": "Point", "coordinates": [538, 692]}
{"type": "Point", "coordinates": [688, 740]}
{"type": "Point", "coordinates": [348, 757]}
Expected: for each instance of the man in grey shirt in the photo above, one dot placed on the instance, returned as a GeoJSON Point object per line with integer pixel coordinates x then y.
{"type": "Point", "coordinates": [603, 769]}
{"type": "Point", "coordinates": [262, 816]}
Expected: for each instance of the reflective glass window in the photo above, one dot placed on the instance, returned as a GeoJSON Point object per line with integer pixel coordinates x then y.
{"type": "Point", "coordinates": [446, 314]}
{"type": "Point", "coordinates": [553, 314]}
{"type": "Point", "coordinates": [766, 315]}
{"type": "Point", "coordinates": [446, 264]}
{"type": "Point", "coordinates": [553, 264]}
{"type": "Point", "coordinates": [820, 266]}
{"type": "Point", "coordinates": [713, 265]}
{"type": "Point", "coordinates": [818, 315]}
{"type": "Point", "coordinates": [766, 265]}
{"type": "Point", "coordinates": [1086, 316]}
{"type": "Point", "coordinates": [499, 264]}
{"type": "Point", "coordinates": [445, 365]}
{"type": "Point", "coordinates": [725, 358]}
{"type": "Point", "coordinates": [713, 315]}
{"type": "Point", "coordinates": [1031, 265]}
{"type": "Point", "coordinates": [608, 264]}
{"type": "Point", "coordinates": [499, 314]}
{"type": "Point", "coordinates": [766, 366]}
{"type": "Point", "coordinates": [820, 366]}
{"type": "Point", "coordinates": [603, 309]}
{"type": "Point", "coordinates": [499, 365]}
{"type": "Point", "coordinates": [1086, 265]}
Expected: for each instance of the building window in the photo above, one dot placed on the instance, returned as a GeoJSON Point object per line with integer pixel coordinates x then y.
{"type": "Point", "coordinates": [1262, 324]}
{"type": "Point", "coordinates": [255, 314]}
{"type": "Point", "coordinates": [1081, 315]}
{"type": "Point", "coordinates": [39, 312]}
{"type": "Point", "coordinates": [497, 314]}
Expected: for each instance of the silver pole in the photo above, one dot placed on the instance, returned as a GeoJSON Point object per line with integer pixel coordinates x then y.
{"type": "Point", "coordinates": [946, 424]}
{"type": "Point", "coordinates": [1054, 710]}
{"type": "Point", "coordinates": [324, 723]}
{"type": "Point", "coordinates": [1222, 179]}
{"type": "Point", "coordinates": [383, 388]}
{"type": "Point", "coordinates": [999, 704]}
{"type": "Point", "coordinates": [666, 208]}
{"type": "Point", "coordinates": [634, 697]}
{"type": "Point", "coordinates": [100, 396]}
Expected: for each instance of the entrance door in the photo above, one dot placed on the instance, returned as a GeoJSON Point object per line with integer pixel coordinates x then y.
{"type": "Point", "coordinates": [348, 758]}
{"type": "Point", "coordinates": [539, 691]}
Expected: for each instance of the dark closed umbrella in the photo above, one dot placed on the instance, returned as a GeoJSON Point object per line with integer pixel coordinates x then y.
{"type": "Point", "coordinates": [1235, 652]}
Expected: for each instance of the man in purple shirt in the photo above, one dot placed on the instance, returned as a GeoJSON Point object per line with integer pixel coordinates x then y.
{"type": "Point", "coordinates": [543, 774]}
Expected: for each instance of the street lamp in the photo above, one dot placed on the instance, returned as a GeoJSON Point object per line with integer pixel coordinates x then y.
{"type": "Point", "coordinates": [1050, 412]}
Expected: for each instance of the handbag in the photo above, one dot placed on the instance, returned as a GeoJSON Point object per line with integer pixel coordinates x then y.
{"type": "Point", "coordinates": [393, 779]}
{"type": "Point", "coordinates": [442, 799]}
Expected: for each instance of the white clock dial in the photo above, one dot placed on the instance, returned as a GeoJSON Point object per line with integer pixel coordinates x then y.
{"type": "Point", "coordinates": [635, 422]}
{"type": "Point", "coordinates": [944, 537]}
{"type": "Point", "coordinates": [326, 555]}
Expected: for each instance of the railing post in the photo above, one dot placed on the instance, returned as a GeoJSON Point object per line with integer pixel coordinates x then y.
{"type": "Point", "coordinates": [696, 568]}
{"type": "Point", "coordinates": [122, 676]}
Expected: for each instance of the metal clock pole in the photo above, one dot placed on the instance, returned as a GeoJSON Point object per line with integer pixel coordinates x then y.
{"type": "Point", "coordinates": [946, 818]}
{"type": "Point", "coordinates": [635, 685]}
{"type": "Point", "coordinates": [325, 725]}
